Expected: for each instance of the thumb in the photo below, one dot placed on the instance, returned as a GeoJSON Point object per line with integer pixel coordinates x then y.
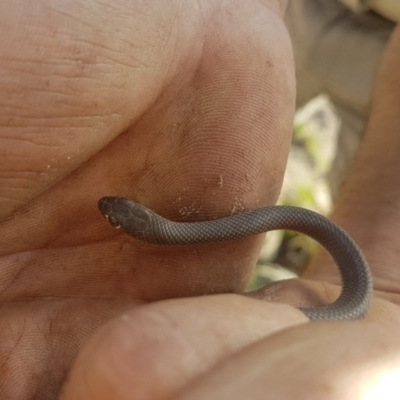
{"type": "Point", "coordinates": [155, 350]}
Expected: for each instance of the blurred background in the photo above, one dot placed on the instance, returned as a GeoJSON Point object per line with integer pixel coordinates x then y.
{"type": "Point", "coordinates": [285, 254]}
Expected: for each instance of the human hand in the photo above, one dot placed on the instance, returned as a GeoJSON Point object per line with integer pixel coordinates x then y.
{"type": "Point", "coordinates": [231, 347]}
{"type": "Point", "coordinates": [185, 108]}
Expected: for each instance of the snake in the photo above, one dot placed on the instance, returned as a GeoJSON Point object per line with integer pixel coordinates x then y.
{"type": "Point", "coordinates": [354, 300]}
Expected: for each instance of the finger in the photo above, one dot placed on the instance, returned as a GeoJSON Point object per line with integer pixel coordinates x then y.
{"type": "Point", "coordinates": [154, 350]}
{"type": "Point", "coordinates": [321, 361]}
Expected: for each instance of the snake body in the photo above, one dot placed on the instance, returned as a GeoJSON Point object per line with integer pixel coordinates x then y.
{"type": "Point", "coordinates": [354, 300]}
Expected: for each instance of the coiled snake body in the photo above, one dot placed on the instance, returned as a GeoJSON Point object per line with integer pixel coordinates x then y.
{"type": "Point", "coordinates": [353, 302]}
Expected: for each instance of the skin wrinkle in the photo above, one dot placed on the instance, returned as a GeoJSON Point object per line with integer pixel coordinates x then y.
{"type": "Point", "coordinates": [6, 359]}
{"type": "Point", "coordinates": [80, 287]}
{"type": "Point", "coordinates": [35, 124]}
{"type": "Point", "coordinates": [14, 178]}
{"type": "Point", "coordinates": [40, 80]}
{"type": "Point", "coordinates": [54, 127]}
{"type": "Point", "coordinates": [32, 142]}
{"type": "Point", "coordinates": [14, 278]}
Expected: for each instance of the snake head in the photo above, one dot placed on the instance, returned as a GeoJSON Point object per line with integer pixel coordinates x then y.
{"type": "Point", "coordinates": [132, 218]}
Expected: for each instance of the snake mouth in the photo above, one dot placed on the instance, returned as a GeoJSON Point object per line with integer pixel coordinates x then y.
{"type": "Point", "coordinates": [112, 221]}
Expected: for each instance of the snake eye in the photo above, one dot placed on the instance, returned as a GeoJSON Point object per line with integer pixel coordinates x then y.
{"type": "Point", "coordinates": [113, 222]}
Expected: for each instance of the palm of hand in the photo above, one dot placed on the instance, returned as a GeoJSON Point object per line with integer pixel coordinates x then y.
{"type": "Point", "coordinates": [184, 108]}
